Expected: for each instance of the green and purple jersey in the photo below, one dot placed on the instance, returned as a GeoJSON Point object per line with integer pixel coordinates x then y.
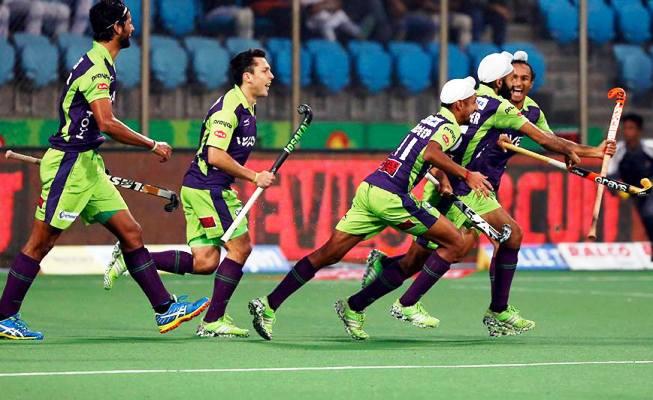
{"type": "Point", "coordinates": [230, 125]}
{"type": "Point", "coordinates": [92, 78]}
{"type": "Point", "coordinates": [479, 150]}
{"type": "Point", "coordinates": [405, 167]}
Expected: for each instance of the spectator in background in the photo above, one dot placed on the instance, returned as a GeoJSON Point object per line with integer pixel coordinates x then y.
{"type": "Point", "coordinates": [494, 13]}
{"type": "Point", "coordinates": [216, 11]}
{"type": "Point", "coordinates": [372, 14]}
{"type": "Point", "coordinates": [276, 14]}
{"type": "Point", "coordinates": [4, 20]}
{"type": "Point", "coordinates": [79, 15]}
{"type": "Point", "coordinates": [632, 162]}
{"type": "Point", "coordinates": [327, 18]}
{"type": "Point", "coordinates": [420, 20]}
{"type": "Point", "coordinates": [33, 13]}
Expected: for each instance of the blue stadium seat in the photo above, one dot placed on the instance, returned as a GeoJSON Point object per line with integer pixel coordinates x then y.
{"type": "Point", "coordinates": [600, 22]}
{"type": "Point", "coordinates": [412, 66]}
{"type": "Point", "coordinates": [178, 17]}
{"type": "Point", "coordinates": [169, 62]}
{"type": "Point", "coordinates": [477, 51]}
{"type": "Point", "coordinates": [38, 59]}
{"type": "Point", "coordinates": [128, 67]}
{"type": "Point", "coordinates": [562, 22]}
{"type": "Point", "coordinates": [72, 47]}
{"type": "Point", "coordinates": [209, 61]}
{"type": "Point", "coordinates": [635, 67]}
{"type": "Point", "coordinates": [282, 66]}
{"type": "Point", "coordinates": [276, 44]}
{"type": "Point", "coordinates": [458, 65]}
{"type": "Point", "coordinates": [236, 45]}
{"type": "Point", "coordinates": [7, 62]}
{"type": "Point", "coordinates": [634, 22]}
{"type": "Point", "coordinates": [137, 14]}
{"type": "Point", "coordinates": [535, 59]}
{"type": "Point", "coordinates": [546, 5]}
{"type": "Point", "coordinates": [331, 64]}
{"type": "Point", "coordinates": [372, 65]}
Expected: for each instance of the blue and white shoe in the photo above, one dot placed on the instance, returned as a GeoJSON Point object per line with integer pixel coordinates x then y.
{"type": "Point", "coordinates": [16, 329]}
{"type": "Point", "coordinates": [180, 311]}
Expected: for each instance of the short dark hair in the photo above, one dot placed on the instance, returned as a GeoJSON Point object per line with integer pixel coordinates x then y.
{"type": "Point", "coordinates": [104, 15]}
{"type": "Point", "coordinates": [635, 118]}
{"type": "Point", "coordinates": [243, 62]}
{"type": "Point", "coordinates": [529, 67]}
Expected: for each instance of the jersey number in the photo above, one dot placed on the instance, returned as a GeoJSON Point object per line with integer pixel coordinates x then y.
{"type": "Point", "coordinates": [406, 151]}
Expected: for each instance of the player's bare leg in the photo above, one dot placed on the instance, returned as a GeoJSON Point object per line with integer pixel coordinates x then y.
{"type": "Point", "coordinates": [216, 322]}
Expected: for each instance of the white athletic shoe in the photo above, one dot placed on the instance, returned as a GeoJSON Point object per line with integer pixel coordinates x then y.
{"type": "Point", "coordinates": [115, 268]}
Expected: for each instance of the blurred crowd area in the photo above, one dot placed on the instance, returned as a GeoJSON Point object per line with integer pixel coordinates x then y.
{"type": "Point", "coordinates": [378, 20]}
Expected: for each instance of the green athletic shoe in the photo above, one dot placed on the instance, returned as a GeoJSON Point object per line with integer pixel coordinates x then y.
{"type": "Point", "coordinates": [353, 320]}
{"type": "Point", "coordinates": [373, 267]}
{"type": "Point", "coordinates": [415, 314]}
{"type": "Point", "coordinates": [115, 268]}
{"type": "Point", "coordinates": [506, 323]}
{"type": "Point", "coordinates": [223, 327]}
{"type": "Point", "coordinates": [264, 317]}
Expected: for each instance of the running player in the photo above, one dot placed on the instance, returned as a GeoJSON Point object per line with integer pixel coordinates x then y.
{"type": "Point", "coordinates": [383, 199]}
{"type": "Point", "coordinates": [210, 205]}
{"type": "Point", "coordinates": [74, 182]}
{"type": "Point", "coordinates": [480, 152]}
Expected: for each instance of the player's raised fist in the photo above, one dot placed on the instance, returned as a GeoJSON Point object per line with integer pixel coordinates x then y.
{"type": "Point", "coordinates": [264, 179]}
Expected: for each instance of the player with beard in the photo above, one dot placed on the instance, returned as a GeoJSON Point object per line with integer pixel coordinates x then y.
{"type": "Point", "coordinates": [74, 181]}
{"type": "Point", "coordinates": [480, 152]}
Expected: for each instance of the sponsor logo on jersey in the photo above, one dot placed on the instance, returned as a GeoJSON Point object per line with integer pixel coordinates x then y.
{"type": "Point", "coordinates": [101, 75]}
{"type": "Point", "coordinates": [220, 134]}
{"type": "Point", "coordinates": [510, 109]}
{"type": "Point", "coordinates": [247, 141]}
{"type": "Point", "coordinates": [390, 166]}
{"type": "Point", "coordinates": [246, 122]}
{"type": "Point", "coordinates": [103, 86]}
{"type": "Point", "coordinates": [68, 216]}
{"type": "Point", "coordinates": [223, 123]}
{"type": "Point", "coordinates": [481, 102]}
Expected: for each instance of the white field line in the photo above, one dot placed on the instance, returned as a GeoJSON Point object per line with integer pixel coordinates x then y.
{"type": "Point", "coordinates": [308, 369]}
{"type": "Point", "coordinates": [624, 293]}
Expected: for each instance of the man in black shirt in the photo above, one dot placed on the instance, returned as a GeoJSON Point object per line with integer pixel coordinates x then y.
{"type": "Point", "coordinates": [634, 161]}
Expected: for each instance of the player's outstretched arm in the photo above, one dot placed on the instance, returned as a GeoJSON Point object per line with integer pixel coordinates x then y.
{"type": "Point", "coordinates": [599, 151]}
{"type": "Point", "coordinates": [437, 158]}
{"type": "Point", "coordinates": [551, 142]}
{"type": "Point", "coordinates": [220, 159]}
{"type": "Point", "coordinates": [112, 126]}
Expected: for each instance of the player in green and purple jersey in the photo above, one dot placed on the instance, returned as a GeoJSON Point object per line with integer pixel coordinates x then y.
{"type": "Point", "coordinates": [74, 182]}
{"type": "Point", "coordinates": [210, 204]}
{"type": "Point", "coordinates": [383, 199]}
{"type": "Point", "coordinates": [479, 152]}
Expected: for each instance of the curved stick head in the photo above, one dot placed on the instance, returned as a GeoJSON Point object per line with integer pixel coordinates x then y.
{"type": "Point", "coordinates": [647, 187]}
{"type": "Point", "coordinates": [173, 204]}
{"type": "Point", "coordinates": [505, 234]}
{"type": "Point", "coordinates": [306, 111]}
{"type": "Point", "coordinates": [619, 94]}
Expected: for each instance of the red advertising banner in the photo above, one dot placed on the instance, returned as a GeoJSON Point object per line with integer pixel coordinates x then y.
{"type": "Point", "coordinates": [312, 192]}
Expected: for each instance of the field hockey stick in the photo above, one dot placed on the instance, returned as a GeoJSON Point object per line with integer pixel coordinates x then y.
{"type": "Point", "coordinates": [306, 111]}
{"type": "Point", "coordinates": [583, 173]}
{"type": "Point", "coordinates": [476, 220]}
{"type": "Point", "coordinates": [620, 96]}
{"type": "Point", "coordinates": [124, 183]}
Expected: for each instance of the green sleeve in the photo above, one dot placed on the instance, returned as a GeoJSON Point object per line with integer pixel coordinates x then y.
{"type": "Point", "coordinates": [220, 128]}
{"type": "Point", "coordinates": [446, 136]}
{"type": "Point", "coordinates": [542, 123]}
{"type": "Point", "coordinates": [508, 117]}
{"type": "Point", "coordinates": [94, 84]}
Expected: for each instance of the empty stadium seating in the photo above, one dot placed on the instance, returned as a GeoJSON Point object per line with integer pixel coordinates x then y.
{"type": "Point", "coordinates": [634, 22]}
{"type": "Point", "coordinates": [209, 62]}
{"type": "Point", "coordinates": [372, 65]}
{"type": "Point", "coordinates": [7, 62]}
{"type": "Point", "coordinates": [38, 59]}
{"type": "Point", "coordinates": [478, 50]}
{"type": "Point", "coordinates": [458, 66]}
{"type": "Point", "coordinates": [178, 17]}
{"type": "Point", "coordinates": [412, 66]}
{"type": "Point", "coordinates": [169, 62]}
{"type": "Point", "coordinates": [561, 21]}
{"type": "Point", "coordinates": [331, 64]}
{"type": "Point", "coordinates": [128, 67]}
{"type": "Point", "coordinates": [71, 48]}
{"type": "Point", "coordinates": [635, 67]}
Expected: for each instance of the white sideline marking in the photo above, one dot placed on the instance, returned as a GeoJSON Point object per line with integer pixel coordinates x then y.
{"type": "Point", "coordinates": [301, 369]}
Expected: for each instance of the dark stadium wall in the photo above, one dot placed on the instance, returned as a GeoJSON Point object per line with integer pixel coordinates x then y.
{"type": "Point", "coordinates": [312, 192]}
